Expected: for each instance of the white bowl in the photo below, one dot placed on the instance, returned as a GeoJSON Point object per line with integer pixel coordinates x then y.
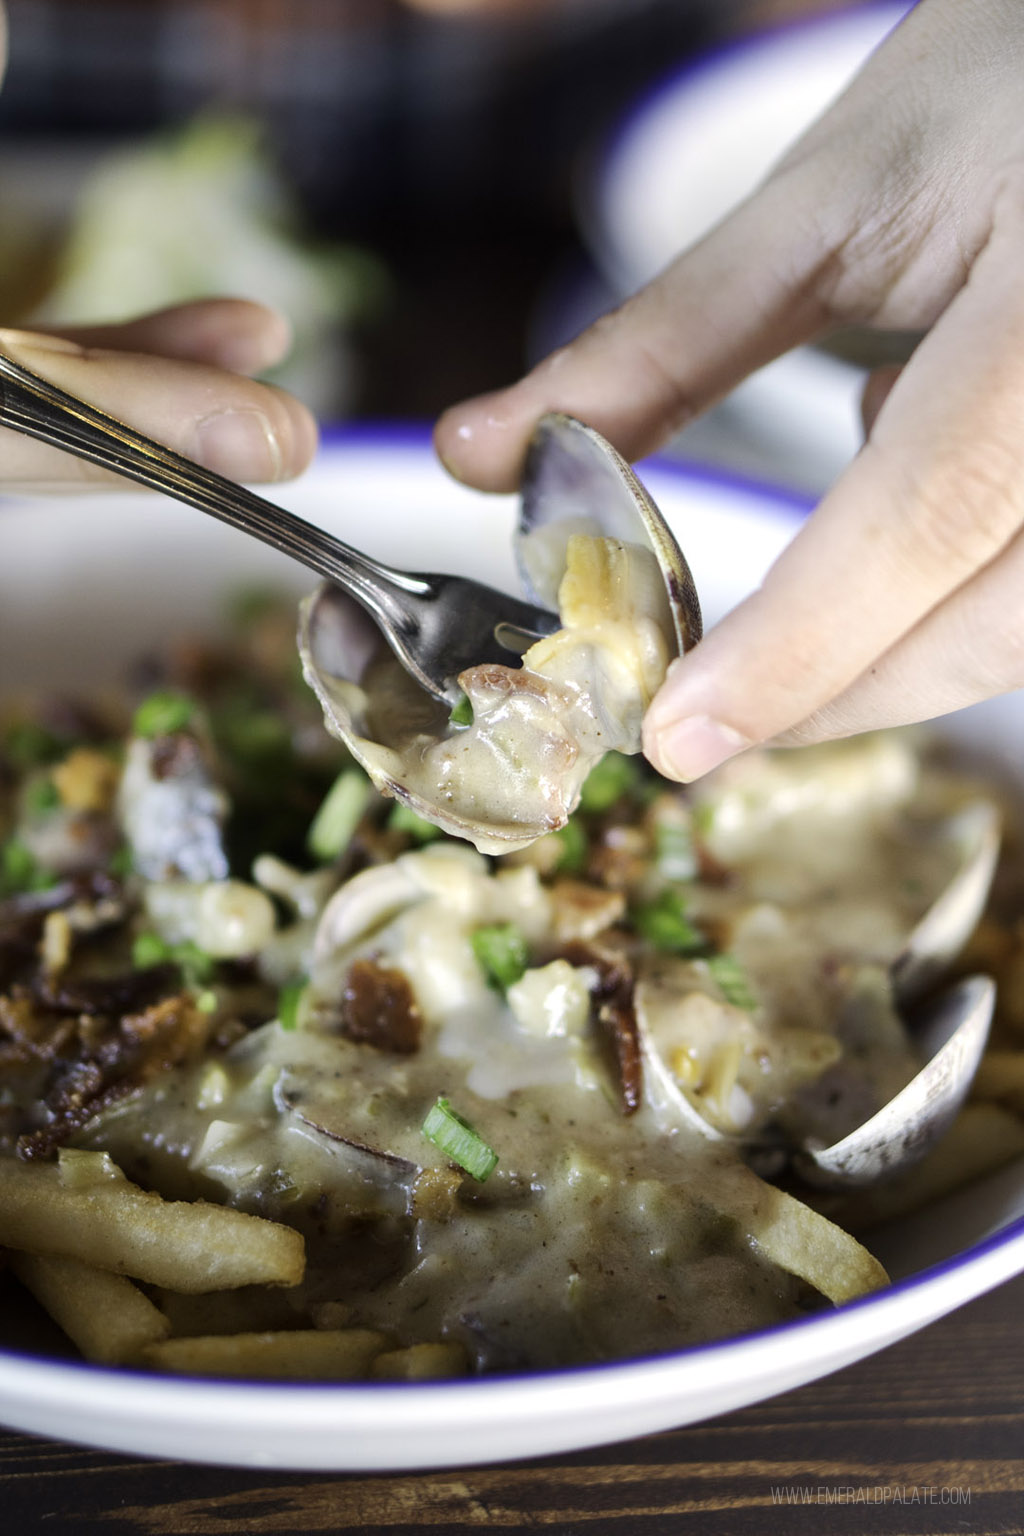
{"type": "Point", "coordinates": [85, 583]}
{"type": "Point", "coordinates": [686, 153]}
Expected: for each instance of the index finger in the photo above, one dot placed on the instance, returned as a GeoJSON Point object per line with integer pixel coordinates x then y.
{"type": "Point", "coordinates": [745, 294]}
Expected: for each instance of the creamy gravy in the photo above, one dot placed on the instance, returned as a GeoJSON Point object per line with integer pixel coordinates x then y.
{"type": "Point", "coordinates": [599, 1234]}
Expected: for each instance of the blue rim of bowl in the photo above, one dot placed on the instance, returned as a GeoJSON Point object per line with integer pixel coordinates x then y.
{"type": "Point", "coordinates": [590, 214]}
{"type": "Point", "coordinates": [414, 436]}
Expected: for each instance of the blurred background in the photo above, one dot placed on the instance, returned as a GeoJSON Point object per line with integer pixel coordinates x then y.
{"type": "Point", "coordinates": [434, 195]}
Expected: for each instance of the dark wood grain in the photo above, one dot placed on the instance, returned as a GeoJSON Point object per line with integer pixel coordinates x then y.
{"type": "Point", "coordinates": [881, 1448]}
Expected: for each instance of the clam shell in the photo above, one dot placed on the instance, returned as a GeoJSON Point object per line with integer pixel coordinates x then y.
{"type": "Point", "coordinates": [576, 482]}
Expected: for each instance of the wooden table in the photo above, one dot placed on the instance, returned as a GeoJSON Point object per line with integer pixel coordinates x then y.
{"type": "Point", "coordinates": [927, 1437]}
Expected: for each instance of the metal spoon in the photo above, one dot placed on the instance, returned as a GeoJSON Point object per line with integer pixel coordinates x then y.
{"type": "Point", "coordinates": [437, 625]}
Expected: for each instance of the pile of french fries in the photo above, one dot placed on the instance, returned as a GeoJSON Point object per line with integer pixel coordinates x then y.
{"type": "Point", "coordinates": [115, 1266]}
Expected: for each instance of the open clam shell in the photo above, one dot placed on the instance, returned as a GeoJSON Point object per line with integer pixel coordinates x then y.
{"type": "Point", "coordinates": [576, 482]}
{"type": "Point", "coordinates": [516, 771]}
{"type": "Point", "coordinates": [949, 1033]}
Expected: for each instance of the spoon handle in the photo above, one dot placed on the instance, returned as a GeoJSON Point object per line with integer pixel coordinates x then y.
{"type": "Point", "coordinates": [33, 406]}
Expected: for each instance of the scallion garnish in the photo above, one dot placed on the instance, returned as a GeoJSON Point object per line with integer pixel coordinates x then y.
{"type": "Point", "coordinates": [27, 744]}
{"type": "Point", "coordinates": [674, 853]}
{"type": "Point", "coordinates": [288, 1000]}
{"type": "Point", "coordinates": [21, 871]}
{"type": "Point", "coordinates": [341, 812]}
{"type": "Point", "coordinates": [162, 714]}
{"type": "Point", "coordinates": [663, 922]}
{"type": "Point", "coordinates": [614, 776]}
{"type": "Point", "coordinates": [501, 953]}
{"type": "Point", "coordinates": [457, 1139]}
{"type": "Point", "coordinates": [42, 796]}
{"type": "Point", "coordinates": [196, 965]}
{"type": "Point", "coordinates": [731, 980]}
{"type": "Point", "coordinates": [462, 714]}
{"type": "Point", "coordinates": [404, 819]}
{"type": "Point", "coordinates": [573, 858]}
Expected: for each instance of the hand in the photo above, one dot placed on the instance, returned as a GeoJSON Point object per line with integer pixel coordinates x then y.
{"type": "Point", "coordinates": [902, 208]}
{"type": "Point", "coordinates": [177, 375]}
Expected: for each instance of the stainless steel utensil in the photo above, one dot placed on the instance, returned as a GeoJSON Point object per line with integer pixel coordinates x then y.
{"type": "Point", "coordinates": [436, 624]}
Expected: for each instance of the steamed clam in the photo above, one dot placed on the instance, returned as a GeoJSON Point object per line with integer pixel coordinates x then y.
{"type": "Point", "coordinates": [590, 544]}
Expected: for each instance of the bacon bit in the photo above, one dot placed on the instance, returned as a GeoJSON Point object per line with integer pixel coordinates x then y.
{"type": "Point", "coordinates": [619, 859]}
{"type": "Point", "coordinates": [617, 1021]}
{"type": "Point", "coordinates": [107, 995]}
{"type": "Point", "coordinates": [174, 756]}
{"type": "Point", "coordinates": [614, 1014]}
{"type": "Point", "coordinates": [378, 1008]}
{"type": "Point", "coordinates": [95, 1061]}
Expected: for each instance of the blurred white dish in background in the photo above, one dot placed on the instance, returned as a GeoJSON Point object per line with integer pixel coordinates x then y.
{"type": "Point", "coordinates": [681, 158]}
{"type": "Point", "coordinates": [86, 584]}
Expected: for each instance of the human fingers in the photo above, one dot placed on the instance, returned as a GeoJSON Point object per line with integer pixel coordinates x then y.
{"type": "Point", "coordinates": [643, 371]}
{"type": "Point", "coordinates": [877, 389]}
{"type": "Point", "coordinates": [934, 498]}
{"type": "Point", "coordinates": [242, 429]}
{"type": "Point", "coordinates": [235, 334]}
{"type": "Point", "coordinates": [970, 647]}
{"type": "Point", "coordinates": [874, 217]}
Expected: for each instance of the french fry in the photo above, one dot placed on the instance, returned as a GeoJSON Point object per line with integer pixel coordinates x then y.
{"type": "Point", "coordinates": [421, 1362]}
{"type": "Point", "coordinates": [114, 1225]}
{"type": "Point", "coordinates": [105, 1315]}
{"type": "Point", "coordinates": [789, 1233]}
{"type": "Point", "coordinates": [309, 1354]}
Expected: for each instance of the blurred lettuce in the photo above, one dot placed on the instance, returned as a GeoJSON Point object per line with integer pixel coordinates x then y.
{"type": "Point", "coordinates": [202, 211]}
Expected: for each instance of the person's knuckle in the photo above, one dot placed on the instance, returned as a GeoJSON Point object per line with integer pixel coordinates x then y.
{"type": "Point", "coordinates": [959, 506]}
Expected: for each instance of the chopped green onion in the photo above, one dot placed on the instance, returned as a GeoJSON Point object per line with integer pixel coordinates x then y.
{"type": "Point", "coordinates": [42, 796]}
{"type": "Point", "coordinates": [462, 714]}
{"type": "Point", "coordinates": [120, 862]}
{"type": "Point", "coordinates": [341, 812]}
{"type": "Point", "coordinates": [27, 744]}
{"type": "Point", "coordinates": [731, 980]}
{"type": "Point", "coordinates": [674, 852]}
{"type": "Point", "coordinates": [206, 1002]}
{"type": "Point", "coordinates": [252, 735]}
{"type": "Point", "coordinates": [614, 776]}
{"type": "Point", "coordinates": [575, 848]}
{"type": "Point", "coordinates": [196, 965]}
{"type": "Point", "coordinates": [458, 1140]}
{"type": "Point", "coordinates": [162, 714]}
{"type": "Point", "coordinates": [663, 923]}
{"type": "Point", "coordinates": [150, 949]}
{"type": "Point", "coordinates": [501, 952]}
{"type": "Point", "coordinates": [404, 819]}
{"type": "Point", "coordinates": [288, 1001]}
{"type": "Point", "coordinates": [21, 871]}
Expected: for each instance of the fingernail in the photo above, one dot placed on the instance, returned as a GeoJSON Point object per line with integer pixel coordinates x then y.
{"type": "Point", "coordinates": [239, 444]}
{"type": "Point", "coordinates": [689, 748]}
